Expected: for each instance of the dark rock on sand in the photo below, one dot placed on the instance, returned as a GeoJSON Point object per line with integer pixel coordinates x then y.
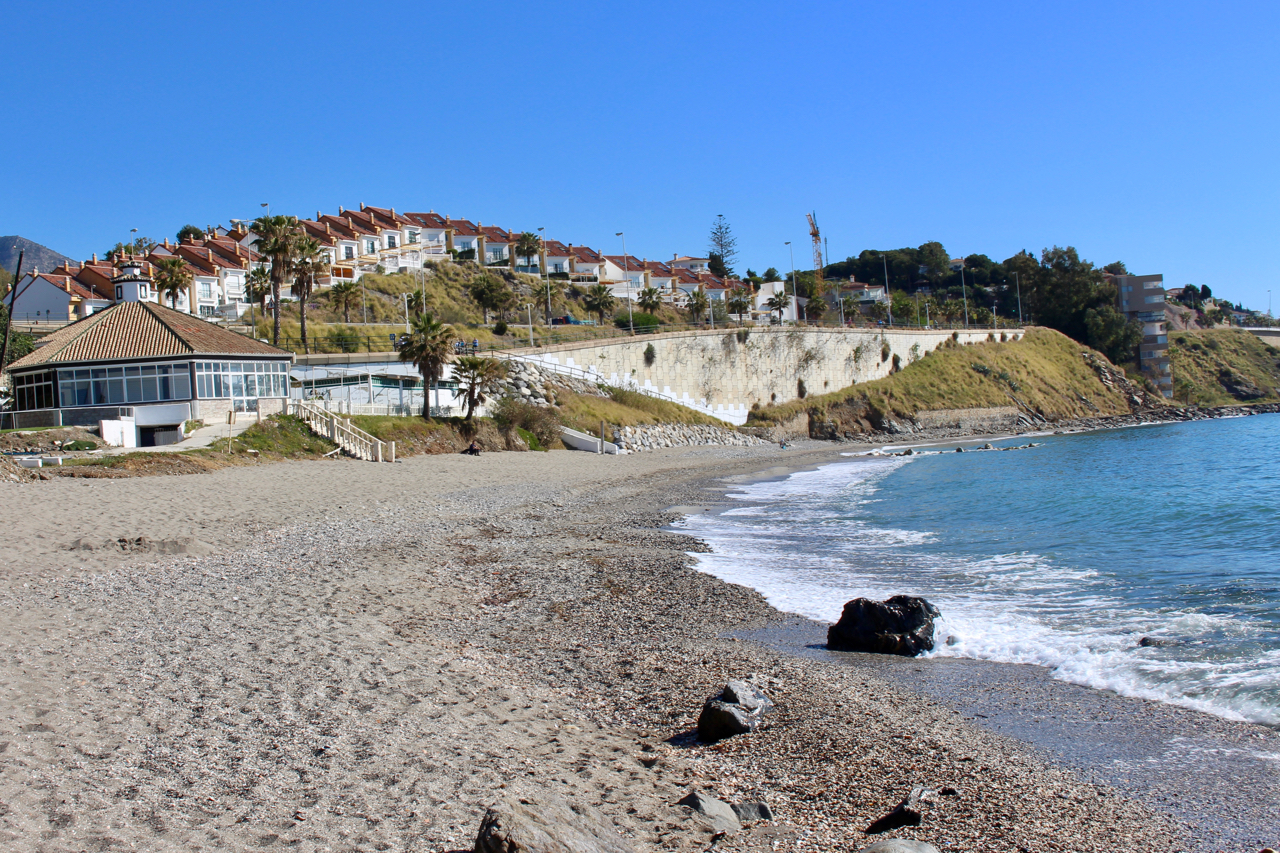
{"type": "Point", "coordinates": [899, 845]}
{"type": "Point", "coordinates": [902, 625]}
{"type": "Point", "coordinates": [723, 817]}
{"type": "Point", "coordinates": [737, 710]}
{"type": "Point", "coordinates": [549, 826]}
{"type": "Point", "coordinates": [907, 813]}
{"type": "Point", "coordinates": [748, 812]}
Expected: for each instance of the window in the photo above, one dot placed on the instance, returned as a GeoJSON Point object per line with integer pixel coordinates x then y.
{"type": "Point", "coordinates": [112, 386]}
{"type": "Point", "coordinates": [1159, 297]}
{"type": "Point", "coordinates": [119, 293]}
{"type": "Point", "coordinates": [391, 241]}
{"type": "Point", "coordinates": [370, 246]}
{"type": "Point", "coordinates": [241, 381]}
{"type": "Point", "coordinates": [142, 291]}
{"type": "Point", "coordinates": [206, 310]}
{"type": "Point", "coordinates": [33, 391]}
{"type": "Point", "coordinates": [348, 252]}
{"type": "Point", "coordinates": [413, 236]}
{"type": "Point", "coordinates": [206, 290]}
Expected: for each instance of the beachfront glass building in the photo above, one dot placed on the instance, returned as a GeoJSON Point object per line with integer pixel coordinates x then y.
{"type": "Point", "coordinates": [145, 368]}
{"type": "Point", "coordinates": [1142, 298]}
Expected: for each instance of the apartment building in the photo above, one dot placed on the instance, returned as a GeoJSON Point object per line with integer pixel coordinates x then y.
{"type": "Point", "coordinates": [1142, 298]}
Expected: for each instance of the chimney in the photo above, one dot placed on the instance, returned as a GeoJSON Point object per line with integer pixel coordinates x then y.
{"type": "Point", "coordinates": [95, 257]}
{"type": "Point", "coordinates": [317, 216]}
{"type": "Point", "coordinates": [393, 211]}
{"type": "Point", "coordinates": [340, 210]}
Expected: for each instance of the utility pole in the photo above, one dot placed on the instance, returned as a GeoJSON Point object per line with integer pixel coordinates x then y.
{"type": "Point", "coordinates": [626, 273]}
{"type": "Point", "coordinates": [542, 263]}
{"type": "Point", "coordinates": [1017, 282]}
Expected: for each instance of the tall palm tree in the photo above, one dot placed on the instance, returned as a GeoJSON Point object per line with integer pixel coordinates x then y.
{"type": "Point", "coordinates": [173, 277]}
{"type": "Point", "coordinates": [476, 377]}
{"type": "Point", "coordinates": [277, 240]}
{"type": "Point", "coordinates": [344, 293]}
{"type": "Point", "coordinates": [308, 266]}
{"type": "Point", "coordinates": [698, 304]}
{"type": "Point", "coordinates": [649, 299]}
{"type": "Point", "coordinates": [429, 347]}
{"type": "Point", "coordinates": [528, 246]}
{"type": "Point", "coordinates": [599, 300]}
{"type": "Point", "coordinates": [418, 301]}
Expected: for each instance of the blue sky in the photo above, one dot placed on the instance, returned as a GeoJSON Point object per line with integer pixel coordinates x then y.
{"type": "Point", "coordinates": [1145, 132]}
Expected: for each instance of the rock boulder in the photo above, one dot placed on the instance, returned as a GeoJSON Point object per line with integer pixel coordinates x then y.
{"type": "Point", "coordinates": [902, 625]}
{"type": "Point", "coordinates": [547, 826]}
{"type": "Point", "coordinates": [737, 710]}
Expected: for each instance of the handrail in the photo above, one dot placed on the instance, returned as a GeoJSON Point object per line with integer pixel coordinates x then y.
{"type": "Point", "coordinates": [351, 439]}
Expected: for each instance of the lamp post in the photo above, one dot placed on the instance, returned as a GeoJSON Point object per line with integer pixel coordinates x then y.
{"type": "Point", "coordinates": [795, 304]}
{"type": "Point", "coordinates": [546, 277]}
{"type": "Point", "coordinates": [132, 240]}
{"type": "Point", "coordinates": [964, 293]}
{"type": "Point", "coordinates": [1018, 282]}
{"type": "Point", "coordinates": [626, 273]}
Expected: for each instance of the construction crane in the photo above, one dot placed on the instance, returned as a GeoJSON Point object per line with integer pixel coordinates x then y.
{"type": "Point", "coordinates": [819, 288]}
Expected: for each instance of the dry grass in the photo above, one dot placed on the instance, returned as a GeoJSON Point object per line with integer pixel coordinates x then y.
{"type": "Point", "coordinates": [1201, 359]}
{"type": "Point", "coordinates": [624, 408]}
{"type": "Point", "coordinates": [1043, 371]}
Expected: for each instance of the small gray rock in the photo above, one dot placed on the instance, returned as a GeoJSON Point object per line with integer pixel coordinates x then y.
{"type": "Point", "coordinates": [747, 695]}
{"type": "Point", "coordinates": [549, 826]}
{"type": "Point", "coordinates": [720, 720]}
{"type": "Point", "coordinates": [899, 845]}
{"type": "Point", "coordinates": [752, 811]}
{"type": "Point", "coordinates": [721, 815]}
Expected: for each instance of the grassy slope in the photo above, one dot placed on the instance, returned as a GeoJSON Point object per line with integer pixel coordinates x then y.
{"type": "Point", "coordinates": [1198, 359]}
{"type": "Point", "coordinates": [624, 408]}
{"type": "Point", "coordinates": [1045, 366]}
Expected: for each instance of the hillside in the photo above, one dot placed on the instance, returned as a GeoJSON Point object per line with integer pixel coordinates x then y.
{"type": "Point", "coordinates": [1218, 367]}
{"type": "Point", "coordinates": [1045, 374]}
{"type": "Point", "coordinates": [37, 257]}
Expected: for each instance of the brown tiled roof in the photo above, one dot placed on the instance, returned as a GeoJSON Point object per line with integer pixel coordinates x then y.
{"type": "Point", "coordinates": [130, 330]}
{"type": "Point", "coordinates": [587, 255]}
{"type": "Point", "coordinates": [632, 261]}
{"type": "Point", "coordinates": [494, 234]}
{"type": "Point", "coordinates": [387, 215]}
{"type": "Point", "coordinates": [428, 220]}
{"type": "Point", "coordinates": [556, 249]}
{"type": "Point", "coordinates": [658, 268]}
{"type": "Point", "coordinates": [463, 227]}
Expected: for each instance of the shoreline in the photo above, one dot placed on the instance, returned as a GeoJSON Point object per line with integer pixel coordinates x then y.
{"type": "Point", "coordinates": [388, 651]}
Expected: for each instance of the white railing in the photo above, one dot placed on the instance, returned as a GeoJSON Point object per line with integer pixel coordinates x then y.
{"type": "Point", "coordinates": [352, 440]}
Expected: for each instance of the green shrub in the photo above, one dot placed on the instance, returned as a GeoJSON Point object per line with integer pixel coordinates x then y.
{"type": "Point", "coordinates": [500, 328]}
{"type": "Point", "coordinates": [529, 439]}
{"type": "Point", "coordinates": [650, 355]}
{"type": "Point", "coordinates": [884, 352]}
{"type": "Point", "coordinates": [639, 319]}
{"type": "Point", "coordinates": [513, 414]}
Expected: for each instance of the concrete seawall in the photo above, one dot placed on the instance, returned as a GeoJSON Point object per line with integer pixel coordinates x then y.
{"type": "Point", "coordinates": [725, 372]}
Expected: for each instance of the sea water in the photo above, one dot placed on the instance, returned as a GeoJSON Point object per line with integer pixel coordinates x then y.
{"type": "Point", "coordinates": [1063, 555]}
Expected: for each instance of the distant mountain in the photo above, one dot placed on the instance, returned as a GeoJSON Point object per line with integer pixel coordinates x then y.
{"type": "Point", "coordinates": [37, 258]}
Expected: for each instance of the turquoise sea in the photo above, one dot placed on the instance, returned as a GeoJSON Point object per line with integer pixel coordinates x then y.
{"type": "Point", "coordinates": [1064, 555]}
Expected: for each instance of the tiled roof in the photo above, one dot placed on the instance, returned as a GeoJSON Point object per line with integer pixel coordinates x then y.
{"type": "Point", "coordinates": [494, 234]}
{"type": "Point", "coordinates": [631, 261]}
{"type": "Point", "coordinates": [130, 330]}
{"type": "Point", "coordinates": [464, 228]}
{"type": "Point", "coordinates": [428, 220]}
{"type": "Point", "coordinates": [587, 255]}
{"type": "Point", "coordinates": [556, 249]}
{"type": "Point", "coordinates": [688, 258]}
{"type": "Point", "coordinates": [387, 215]}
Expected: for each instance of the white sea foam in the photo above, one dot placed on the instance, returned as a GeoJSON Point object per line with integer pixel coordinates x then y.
{"type": "Point", "coordinates": [801, 543]}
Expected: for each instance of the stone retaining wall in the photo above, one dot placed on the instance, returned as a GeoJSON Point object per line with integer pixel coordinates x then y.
{"type": "Point", "coordinates": [639, 438]}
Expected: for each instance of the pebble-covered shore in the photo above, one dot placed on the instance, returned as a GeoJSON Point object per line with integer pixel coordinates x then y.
{"type": "Point", "coordinates": [374, 654]}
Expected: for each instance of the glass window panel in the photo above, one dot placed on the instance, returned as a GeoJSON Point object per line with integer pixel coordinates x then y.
{"type": "Point", "coordinates": [237, 385]}
{"type": "Point", "coordinates": [98, 373]}
{"type": "Point", "coordinates": [115, 391]}
{"type": "Point", "coordinates": [131, 371]}
{"type": "Point", "coordinates": [181, 386]}
{"type": "Point", "coordinates": [166, 391]}
{"type": "Point", "coordinates": [251, 385]}
{"type": "Point", "coordinates": [148, 370]}
{"type": "Point", "coordinates": [133, 389]}
{"type": "Point", "coordinates": [115, 371]}
{"type": "Point", "coordinates": [150, 391]}
{"type": "Point", "coordinates": [82, 374]}
{"type": "Point", "coordinates": [100, 396]}
{"type": "Point", "coordinates": [68, 393]}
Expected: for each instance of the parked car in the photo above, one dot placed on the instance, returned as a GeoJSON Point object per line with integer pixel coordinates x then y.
{"type": "Point", "coordinates": [568, 320]}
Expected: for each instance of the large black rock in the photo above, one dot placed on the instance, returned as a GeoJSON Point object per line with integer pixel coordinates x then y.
{"type": "Point", "coordinates": [903, 625]}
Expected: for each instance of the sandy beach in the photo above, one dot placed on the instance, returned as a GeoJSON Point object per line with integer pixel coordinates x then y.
{"type": "Point", "coordinates": [346, 656]}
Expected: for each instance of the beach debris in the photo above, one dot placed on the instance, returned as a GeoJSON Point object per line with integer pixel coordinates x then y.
{"type": "Point", "coordinates": [1157, 642]}
{"type": "Point", "coordinates": [901, 625]}
{"type": "Point", "coordinates": [722, 816]}
{"type": "Point", "coordinates": [907, 812]}
{"type": "Point", "coordinates": [738, 709]}
{"type": "Point", "coordinates": [551, 825]}
{"type": "Point", "coordinates": [749, 812]}
{"type": "Point", "coordinates": [899, 845]}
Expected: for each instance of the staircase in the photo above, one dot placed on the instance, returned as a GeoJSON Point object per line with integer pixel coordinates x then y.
{"type": "Point", "coordinates": [353, 441]}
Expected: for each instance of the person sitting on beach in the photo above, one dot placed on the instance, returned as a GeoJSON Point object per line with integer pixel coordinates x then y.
{"type": "Point", "coordinates": [473, 449]}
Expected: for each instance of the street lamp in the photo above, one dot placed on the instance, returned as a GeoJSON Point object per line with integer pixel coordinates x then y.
{"type": "Point", "coordinates": [132, 240]}
{"type": "Point", "coordinates": [267, 205]}
{"type": "Point", "coordinates": [1018, 282]}
{"type": "Point", "coordinates": [795, 304]}
{"type": "Point", "coordinates": [542, 264]}
{"type": "Point", "coordinates": [965, 294]}
{"type": "Point", "coordinates": [626, 273]}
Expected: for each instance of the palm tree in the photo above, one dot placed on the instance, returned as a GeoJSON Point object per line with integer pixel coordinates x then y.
{"type": "Point", "coordinates": [418, 301]}
{"type": "Point", "coordinates": [476, 377]}
{"type": "Point", "coordinates": [697, 304]}
{"type": "Point", "coordinates": [172, 277]}
{"type": "Point", "coordinates": [344, 293]}
{"type": "Point", "coordinates": [256, 288]}
{"type": "Point", "coordinates": [429, 347]}
{"type": "Point", "coordinates": [599, 300]}
{"type": "Point", "coordinates": [649, 299]}
{"type": "Point", "coordinates": [779, 302]}
{"type": "Point", "coordinates": [277, 241]}
{"type": "Point", "coordinates": [739, 302]}
{"type": "Point", "coordinates": [308, 265]}
{"type": "Point", "coordinates": [528, 246]}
